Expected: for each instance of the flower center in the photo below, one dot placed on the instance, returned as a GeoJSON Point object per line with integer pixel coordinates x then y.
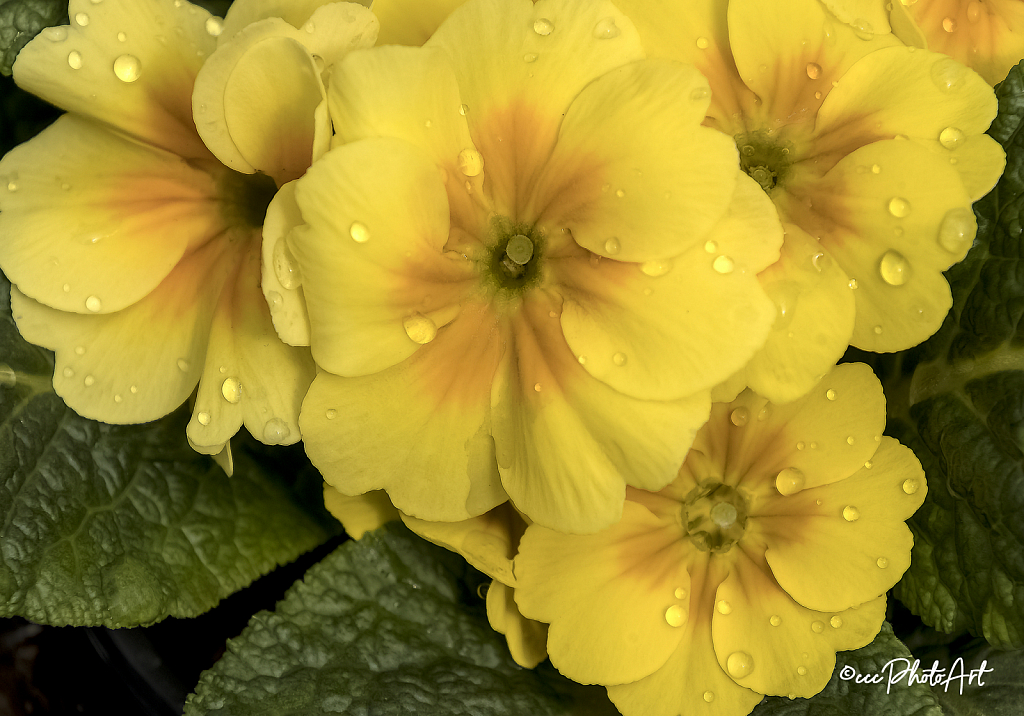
{"type": "Point", "coordinates": [714, 516]}
{"type": "Point", "coordinates": [245, 198]}
{"type": "Point", "coordinates": [764, 158]}
{"type": "Point", "coordinates": [515, 256]}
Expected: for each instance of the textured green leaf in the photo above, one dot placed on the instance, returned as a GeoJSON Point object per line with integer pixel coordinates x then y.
{"type": "Point", "coordinates": [958, 402]}
{"type": "Point", "coordinates": [1001, 692]}
{"type": "Point", "coordinates": [126, 525]}
{"type": "Point", "coordinates": [382, 626]}
{"type": "Point", "coordinates": [843, 696]}
{"type": "Point", "coordinates": [20, 21]}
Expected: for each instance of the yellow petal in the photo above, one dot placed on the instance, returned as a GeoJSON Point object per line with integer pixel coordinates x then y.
{"type": "Point", "coordinates": [606, 595]}
{"type": "Point", "coordinates": [373, 271]}
{"type": "Point", "coordinates": [527, 639]}
{"type": "Point", "coordinates": [92, 221]}
{"type": "Point", "coordinates": [411, 22]}
{"type": "Point", "coordinates": [359, 514]}
{"type": "Point", "coordinates": [142, 84]}
{"type": "Point", "coordinates": [865, 16]}
{"type": "Point", "coordinates": [978, 159]}
{"type": "Point", "coordinates": [634, 176]}
{"type": "Point", "coordinates": [854, 545]}
{"type": "Point", "coordinates": [287, 305]}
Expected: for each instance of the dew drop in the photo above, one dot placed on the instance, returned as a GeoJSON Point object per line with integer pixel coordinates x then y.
{"type": "Point", "coordinates": [911, 485]}
{"type": "Point", "coordinates": [699, 94]}
{"type": "Point", "coordinates": [739, 417]}
{"type": "Point", "coordinates": [656, 268]}
{"type": "Point", "coordinates": [606, 29]}
{"type": "Point", "coordinates": [231, 389]}
{"type": "Point", "coordinates": [134, 389]}
{"type": "Point", "coordinates": [127, 68]}
{"type": "Point", "coordinates": [800, 445]}
{"type": "Point", "coordinates": [739, 664]}
{"type": "Point", "coordinates": [877, 330]}
{"type": "Point", "coordinates": [471, 162]}
{"type": "Point", "coordinates": [817, 627]}
{"type": "Point", "coordinates": [274, 300]}
{"type": "Point", "coordinates": [680, 593]}
{"type": "Point", "coordinates": [764, 412]}
{"type": "Point", "coordinates": [359, 233]}
{"type": "Point", "coordinates": [948, 74]}
{"type": "Point", "coordinates": [723, 606]}
{"type": "Point", "coordinates": [536, 387]}
{"type": "Point", "coordinates": [973, 11]}
{"type": "Point", "coordinates": [121, 37]}
{"type": "Point", "coordinates": [830, 394]}
{"type": "Point", "coordinates": [821, 261]}
{"type": "Point", "coordinates": [775, 620]}
{"type": "Point", "coordinates": [79, 350]}
{"type": "Point", "coordinates": [463, 108]}
{"type": "Point", "coordinates": [530, 57]}
{"type": "Point", "coordinates": [813, 70]}
{"type": "Point", "coordinates": [723, 265]}
{"type": "Point", "coordinates": [894, 268]}
{"type": "Point", "coordinates": [214, 26]}
{"type": "Point", "coordinates": [620, 193]}
{"type": "Point", "coordinates": [331, 414]}
{"type": "Point", "coordinates": [285, 267]}
{"type": "Point", "coordinates": [836, 622]}
{"type": "Point", "coordinates": [275, 432]}
{"type": "Point", "coordinates": [203, 418]}
{"type": "Point", "coordinates": [182, 365]}
{"type": "Point", "coordinates": [709, 696]}
{"type": "Point", "coordinates": [420, 328]}
{"type": "Point", "coordinates": [82, 19]}
{"type": "Point", "coordinates": [56, 34]}
{"type": "Point", "coordinates": [802, 670]}
{"type": "Point", "coordinates": [675, 616]}
{"type": "Point", "coordinates": [703, 43]}
{"type": "Point", "coordinates": [724, 515]}
{"type": "Point", "coordinates": [899, 207]}
{"type": "Point", "coordinates": [582, 360]}
{"type": "Point", "coordinates": [868, 465]}
{"type": "Point", "coordinates": [94, 304]}
{"type": "Point", "coordinates": [882, 562]}
{"type": "Point", "coordinates": [817, 95]}
{"type": "Point", "coordinates": [118, 399]}
{"type": "Point", "coordinates": [948, 24]}
{"type": "Point", "coordinates": [852, 283]}
{"type": "Point", "coordinates": [75, 60]}
{"type": "Point", "coordinates": [863, 29]}
{"type": "Point", "coordinates": [89, 380]}
{"type": "Point", "coordinates": [619, 359]}
{"type": "Point", "coordinates": [875, 169]}
{"type": "Point", "coordinates": [957, 230]}
{"type": "Point", "coordinates": [951, 137]}
{"type": "Point", "coordinates": [711, 247]}
{"type": "Point", "coordinates": [68, 373]}
{"type": "Point", "coordinates": [612, 246]}
{"type": "Point", "coordinates": [851, 513]}
{"type": "Point", "coordinates": [543, 26]}
{"type": "Point", "coordinates": [789, 481]}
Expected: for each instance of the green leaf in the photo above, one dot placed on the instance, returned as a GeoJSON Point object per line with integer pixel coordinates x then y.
{"type": "Point", "coordinates": [958, 402]}
{"type": "Point", "coordinates": [999, 694]}
{"type": "Point", "coordinates": [843, 696]}
{"type": "Point", "coordinates": [383, 626]}
{"type": "Point", "coordinates": [126, 525]}
{"type": "Point", "coordinates": [20, 21]}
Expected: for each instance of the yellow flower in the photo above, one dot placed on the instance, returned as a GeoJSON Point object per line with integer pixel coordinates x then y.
{"type": "Point", "coordinates": [136, 253]}
{"type": "Point", "coordinates": [872, 152]}
{"type": "Point", "coordinates": [525, 265]}
{"type": "Point", "coordinates": [986, 35]}
{"type": "Point", "coordinates": [772, 550]}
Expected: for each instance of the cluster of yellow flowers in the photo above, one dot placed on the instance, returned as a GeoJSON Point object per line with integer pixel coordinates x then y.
{"type": "Point", "coordinates": [561, 284]}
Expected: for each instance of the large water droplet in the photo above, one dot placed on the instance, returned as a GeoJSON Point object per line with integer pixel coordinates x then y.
{"type": "Point", "coordinates": [420, 328]}
{"type": "Point", "coordinates": [214, 26]}
{"type": "Point", "coordinates": [231, 389]}
{"type": "Point", "coordinates": [619, 359]}
{"type": "Point", "coordinates": [612, 246]}
{"type": "Point", "coordinates": [882, 562]}
{"type": "Point", "coordinates": [680, 593]}
{"type": "Point", "coordinates": [851, 513]}
{"type": "Point", "coordinates": [830, 394]}
{"type": "Point", "coordinates": [957, 230]}
{"type": "Point", "coordinates": [275, 432]}
{"type": "Point", "coordinates": [899, 207]}
{"type": "Point", "coordinates": [82, 19]}
{"type": "Point", "coordinates": [894, 268]}
{"type": "Point", "coordinates": [723, 607]}
{"type": "Point", "coordinates": [724, 515]}
{"type": "Point", "coordinates": [948, 74]}
{"type": "Point", "coordinates": [739, 417]}
{"type": "Point", "coordinates": [127, 68]}
{"type": "Point", "coordinates": [709, 696]}
{"type": "Point", "coordinates": [359, 233]}
{"type": "Point", "coordinates": [203, 418]}
{"type": "Point", "coordinates": [813, 70]}
{"type": "Point", "coordinates": [948, 24]}
{"type": "Point", "coordinates": [789, 481]}
{"type": "Point", "coordinates": [606, 29]}
{"type": "Point", "coordinates": [911, 485]}
{"type": "Point", "coordinates": [675, 616]}
{"type": "Point", "coordinates": [75, 60]}
{"type": "Point", "coordinates": [775, 620]}
{"type": "Point", "coordinates": [703, 43]}
{"type": "Point", "coordinates": [285, 267]}
{"type": "Point", "coordinates": [723, 265]}
{"type": "Point", "coordinates": [951, 137]}
{"type": "Point", "coordinates": [836, 622]}
{"type": "Point", "coordinates": [657, 267]}
{"type": "Point", "coordinates": [471, 162]}
{"type": "Point", "coordinates": [93, 304]}
{"type": "Point", "coordinates": [543, 26]}
{"type": "Point", "coordinates": [739, 664]}
{"type": "Point", "coordinates": [817, 627]}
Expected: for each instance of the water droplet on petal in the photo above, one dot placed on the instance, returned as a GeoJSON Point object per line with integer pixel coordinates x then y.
{"type": "Point", "coordinates": [764, 412]}
{"type": "Point", "coordinates": [882, 562]}
{"type": "Point", "coordinates": [813, 70]}
{"type": "Point", "coordinates": [536, 387]}
{"type": "Point", "coordinates": [619, 359]}
{"type": "Point", "coordinates": [75, 60]}
{"type": "Point", "coordinates": [420, 328]}
{"type": "Point", "coordinates": [127, 68]}
{"type": "Point", "coordinates": [699, 94]}
{"type": "Point", "coordinates": [948, 74]}
{"type": "Point", "coordinates": [775, 620]}
{"type": "Point", "coordinates": [231, 389]}
{"type": "Point", "coordinates": [606, 29]}
{"type": "Point", "coordinates": [703, 43]}
{"type": "Point", "coordinates": [620, 193]}
{"type": "Point", "coordinates": [359, 233]}
{"type": "Point", "coordinates": [899, 207]}
{"type": "Point", "coordinates": [680, 593]}
{"type": "Point", "coordinates": [214, 26]}
{"type": "Point", "coordinates": [817, 627]}
{"type": "Point", "coordinates": [711, 247]}
{"type": "Point", "coordinates": [582, 360]}
{"type": "Point", "coordinates": [821, 261]}
{"type": "Point", "coordinates": [836, 622]}
{"type": "Point", "coordinates": [951, 137]}
{"type": "Point", "coordinates": [709, 696]}
{"type": "Point", "coordinates": [275, 432]}
{"type": "Point", "coordinates": [675, 616]}
{"type": "Point", "coordinates": [911, 485]}
{"type": "Point", "coordinates": [957, 230]}
{"type": "Point", "coordinates": [739, 664]}
{"type": "Point", "coordinates": [894, 268]}
{"type": "Point", "coordinates": [89, 380]}
{"type": "Point", "coordinates": [134, 389]}
{"type": "Point", "coordinates": [463, 108]}
{"type": "Point", "coordinates": [724, 515]}
{"type": "Point", "coordinates": [94, 304]}
{"type": "Point", "coordinates": [800, 445]}
{"type": "Point", "coordinates": [530, 57]}
{"type": "Point", "coordinates": [331, 414]}
{"type": "Point", "coordinates": [723, 606]}
{"type": "Point", "coordinates": [875, 169]}
{"type": "Point", "coordinates": [543, 26]}
{"type": "Point", "coordinates": [658, 267]}
{"type": "Point", "coordinates": [851, 513]}
{"type": "Point", "coordinates": [203, 418]}
{"type": "Point", "coordinates": [830, 394]}
{"type": "Point", "coordinates": [852, 283]}
{"type": "Point", "coordinates": [274, 300]}
{"type": "Point", "coordinates": [68, 373]}
{"type": "Point", "coordinates": [850, 440]}
{"type": "Point", "coordinates": [802, 670]}
{"type": "Point", "coordinates": [948, 24]}
{"type": "Point", "coordinates": [877, 330]}
{"type": "Point", "coordinates": [182, 365]}
{"type": "Point", "coordinates": [285, 267]}
{"type": "Point", "coordinates": [121, 37]}
{"type": "Point", "coordinates": [471, 162]}
{"type": "Point", "coordinates": [739, 417]}
{"type": "Point", "coordinates": [723, 265]}
{"type": "Point", "coordinates": [82, 19]}
{"type": "Point", "coordinates": [612, 246]}
{"type": "Point", "coordinates": [56, 34]}
{"type": "Point", "coordinates": [789, 481]}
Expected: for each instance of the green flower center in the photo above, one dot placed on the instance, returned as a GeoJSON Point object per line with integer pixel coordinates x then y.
{"type": "Point", "coordinates": [245, 198]}
{"type": "Point", "coordinates": [515, 259]}
{"type": "Point", "coordinates": [714, 516]}
{"type": "Point", "coordinates": [764, 158]}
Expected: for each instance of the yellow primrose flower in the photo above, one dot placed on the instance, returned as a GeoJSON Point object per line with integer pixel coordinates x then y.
{"type": "Point", "coordinates": [772, 550]}
{"type": "Point", "coordinates": [872, 152]}
{"type": "Point", "coordinates": [525, 264]}
{"type": "Point", "coordinates": [136, 253]}
{"type": "Point", "coordinates": [986, 35]}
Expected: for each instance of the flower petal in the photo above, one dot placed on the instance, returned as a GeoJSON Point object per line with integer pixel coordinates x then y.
{"type": "Point", "coordinates": [854, 545]}
{"type": "Point", "coordinates": [411, 22]}
{"type": "Point", "coordinates": [605, 595]}
{"type": "Point", "coordinates": [634, 176]}
{"type": "Point", "coordinates": [287, 305]}
{"type": "Point", "coordinates": [140, 363]}
{"type": "Point", "coordinates": [360, 514]}
{"type": "Point", "coordinates": [93, 221]}
{"type": "Point", "coordinates": [567, 444]}
{"type": "Point", "coordinates": [863, 15]}
{"type": "Point", "coordinates": [142, 85]}
{"type": "Point", "coordinates": [527, 639]}
{"type": "Point", "coordinates": [438, 397]}
{"type": "Point", "coordinates": [369, 267]}
{"type": "Point", "coordinates": [244, 13]}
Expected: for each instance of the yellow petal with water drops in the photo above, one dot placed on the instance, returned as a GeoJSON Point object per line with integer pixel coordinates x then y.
{"type": "Point", "coordinates": [978, 159]}
{"type": "Point", "coordinates": [633, 164]}
{"type": "Point", "coordinates": [142, 362]}
{"type": "Point", "coordinates": [606, 595]}
{"type": "Point", "coordinates": [359, 514]}
{"type": "Point", "coordinates": [411, 22]}
{"type": "Point", "coordinates": [517, 83]}
{"type": "Point", "coordinates": [141, 84]}
{"type": "Point", "coordinates": [249, 376]}
{"type": "Point", "coordinates": [790, 53]}
{"type": "Point", "coordinates": [854, 545]}
{"type": "Point", "coordinates": [864, 16]}
{"type": "Point", "coordinates": [488, 542]}
{"type": "Point", "coordinates": [439, 397]}
{"type": "Point", "coordinates": [567, 444]}
{"type": "Point", "coordinates": [907, 92]}
{"type": "Point", "coordinates": [691, 681]}
{"type": "Point", "coordinates": [370, 270]}
{"type": "Point", "coordinates": [336, 29]}
{"type": "Point", "coordinates": [93, 222]}
{"type": "Point", "coordinates": [666, 329]}
{"type": "Point", "coordinates": [885, 229]}
{"type": "Point", "coordinates": [904, 27]}
{"type": "Point", "coordinates": [527, 639]}
{"type": "Point", "coordinates": [815, 313]}
{"type": "Point", "coordinates": [287, 305]}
